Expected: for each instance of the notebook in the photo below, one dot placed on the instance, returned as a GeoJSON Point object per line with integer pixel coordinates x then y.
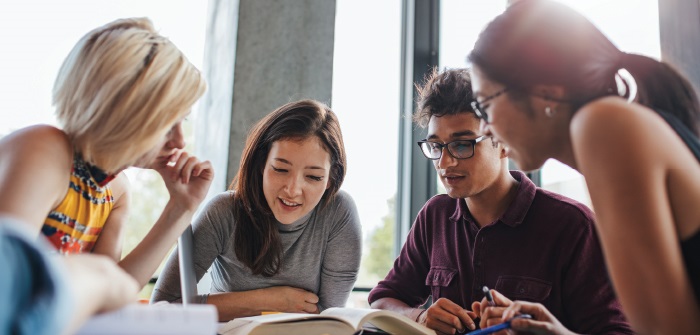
{"type": "Point", "coordinates": [158, 319]}
{"type": "Point", "coordinates": [162, 318]}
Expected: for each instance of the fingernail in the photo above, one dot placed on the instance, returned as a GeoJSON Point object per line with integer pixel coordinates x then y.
{"type": "Point", "coordinates": [472, 326]}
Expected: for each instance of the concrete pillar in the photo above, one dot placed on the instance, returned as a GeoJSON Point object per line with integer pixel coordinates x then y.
{"type": "Point", "coordinates": [259, 55]}
{"type": "Point", "coordinates": [213, 122]}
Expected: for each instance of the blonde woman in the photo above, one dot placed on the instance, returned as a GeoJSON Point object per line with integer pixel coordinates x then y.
{"type": "Point", "coordinates": [120, 96]}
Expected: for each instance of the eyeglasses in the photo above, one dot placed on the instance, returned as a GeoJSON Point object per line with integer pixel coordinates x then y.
{"type": "Point", "coordinates": [459, 149]}
{"type": "Point", "coordinates": [478, 106]}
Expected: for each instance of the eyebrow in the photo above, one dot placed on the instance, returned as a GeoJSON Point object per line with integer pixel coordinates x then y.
{"type": "Point", "coordinates": [456, 134]}
{"type": "Point", "coordinates": [312, 167]}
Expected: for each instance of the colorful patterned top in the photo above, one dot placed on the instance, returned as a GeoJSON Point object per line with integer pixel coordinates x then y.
{"type": "Point", "coordinates": [76, 223]}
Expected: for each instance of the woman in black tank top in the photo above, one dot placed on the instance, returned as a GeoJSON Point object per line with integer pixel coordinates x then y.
{"type": "Point", "coordinates": [548, 84]}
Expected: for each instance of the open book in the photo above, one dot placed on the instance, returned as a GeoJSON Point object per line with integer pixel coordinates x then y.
{"type": "Point", "coordinates": [335, 321]}
{"type": "Point", "coordinates": [141, 319]}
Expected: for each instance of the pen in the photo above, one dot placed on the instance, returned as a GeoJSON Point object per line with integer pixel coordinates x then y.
{"type": "Point", "coordinates": [498, 327]}
{"type": "Point", "coordinates": [489, 296]}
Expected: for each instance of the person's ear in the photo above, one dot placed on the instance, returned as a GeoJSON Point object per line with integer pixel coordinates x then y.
{"type": "Point", "coordinates": [500, 147]}
{"type": "Point", "coordinates": [546, 99]}
{"type": "Point", "coordinates": [504, 152]}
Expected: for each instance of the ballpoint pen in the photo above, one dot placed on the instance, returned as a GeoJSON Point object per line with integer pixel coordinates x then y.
{"type": "Point", "coordinates": [489, 296]}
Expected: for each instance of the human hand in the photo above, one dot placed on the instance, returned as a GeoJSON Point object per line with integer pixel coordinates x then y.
{"type": "Point", "coordinates": [446, 317]}
{"type": "Point", "coordinates": [186, 178]}
{"type": "Point", "coordinates": [542, 322]}
{"type": "Point", "coordinates": [99, 284]}
{"type": "Point", "coordinates": [291, 299]}
{"type": "Point", "coordinates": [491, 314]}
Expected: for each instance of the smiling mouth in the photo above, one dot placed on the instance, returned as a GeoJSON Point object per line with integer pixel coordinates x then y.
{"type": "Point", "coordinates": [289, 203]}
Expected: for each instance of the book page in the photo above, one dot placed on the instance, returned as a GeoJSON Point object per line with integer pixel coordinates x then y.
{"type": "Point", "coordinates": [286, 323]}
{"type": "Point", "coordinates": [159, 319]}
{"type": "Point", "coordinates": [387, 321]}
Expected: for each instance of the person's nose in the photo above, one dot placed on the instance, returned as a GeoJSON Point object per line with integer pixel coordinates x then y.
{"type": "Point", "coordinates": [176, 137]}
{"type": "Point", "coordinates": [446, 160]}
{"type": "Point", "coordinates": [293, 186]}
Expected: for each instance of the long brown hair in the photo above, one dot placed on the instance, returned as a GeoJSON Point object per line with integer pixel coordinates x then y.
{"type": "Point", "coordinates": [257, 242]}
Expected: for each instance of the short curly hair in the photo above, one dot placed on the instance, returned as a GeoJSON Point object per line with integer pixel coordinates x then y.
{"type": "Point", "coordinates": [445, 92]}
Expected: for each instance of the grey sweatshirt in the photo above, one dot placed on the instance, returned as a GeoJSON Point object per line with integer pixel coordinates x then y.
{"type": "Point", "coordinates": [320, 253]}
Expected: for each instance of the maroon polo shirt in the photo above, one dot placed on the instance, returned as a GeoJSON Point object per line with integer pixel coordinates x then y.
{"type": "Point", "coordinates": [543, 249]}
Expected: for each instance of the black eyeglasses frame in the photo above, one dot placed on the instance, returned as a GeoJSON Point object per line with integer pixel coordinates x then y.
{"type": "Point", "coordinates": [478, 106]}
{"type": "Point", "coordinates": [447, 145]}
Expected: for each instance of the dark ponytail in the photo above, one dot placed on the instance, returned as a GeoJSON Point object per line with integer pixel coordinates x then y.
{"type": "Point", "coordinates": [660, 86]}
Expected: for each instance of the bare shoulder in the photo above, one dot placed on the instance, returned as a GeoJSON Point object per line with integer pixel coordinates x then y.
{"type": "Point", "coordinates": [611, 115]}
{"type": "Point", "coordinates": [610, 120]}
{"type": "Point", "coordinates": [35, 165]}
{"type": "Point", "coordinates": [614, 133]}
{"type": "Point", "coordinates": [41, 142]}
{"type": "Point", "coordinates": [39, 150]}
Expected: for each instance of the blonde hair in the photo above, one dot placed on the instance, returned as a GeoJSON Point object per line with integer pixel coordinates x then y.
{"type": "Point", "coordinates": [120, 90]}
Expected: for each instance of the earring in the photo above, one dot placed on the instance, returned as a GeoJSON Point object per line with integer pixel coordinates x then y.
{"type": "Point", "coordinates": [549, 111]}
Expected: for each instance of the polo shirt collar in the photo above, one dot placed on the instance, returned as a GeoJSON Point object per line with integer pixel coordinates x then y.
{"type": "Point", "coordinates": [516, 211]}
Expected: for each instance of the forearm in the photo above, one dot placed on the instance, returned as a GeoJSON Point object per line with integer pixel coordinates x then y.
{"type": "Point", "coordinates": [335, 290]}
{"type": "Point", "coordinates": [143, 261]}
{"type": "Point", "coordinates": [84, 289]}
{"type": "Point", "coordinates": [241, 304]}
{"type": "Point", "coordinates": [97, 285]}
{"type": "Point", "coordinates": [398, 306]}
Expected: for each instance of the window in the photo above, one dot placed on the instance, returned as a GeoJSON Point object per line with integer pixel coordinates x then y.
{"type": "Point", "coordinates": [461, 21]}
{"type": "Point", "coordinates": [366, 82]}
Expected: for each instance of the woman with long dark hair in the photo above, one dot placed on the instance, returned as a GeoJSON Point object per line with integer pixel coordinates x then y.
{"type": "Point", "coordinates": [284, 238]}
{"type": "Point", "coordinates": [548, 84]}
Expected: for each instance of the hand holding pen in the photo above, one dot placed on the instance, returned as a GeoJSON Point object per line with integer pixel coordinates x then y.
{"type": "Point", "coordinates": [446, 317]}
{"type": "Point", "coordinates": [490, 308]}
{"type": "Point", "coordinates": [491, 311]}
{"type": "Point", "coordinates": [540, 322]}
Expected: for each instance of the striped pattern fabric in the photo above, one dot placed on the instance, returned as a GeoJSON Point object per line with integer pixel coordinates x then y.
{"type": "Point", "coordinates": [75, 225]}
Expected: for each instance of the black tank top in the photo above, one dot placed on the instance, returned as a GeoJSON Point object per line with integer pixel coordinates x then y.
{"type": "Point", "coordinates": [691, 246]}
